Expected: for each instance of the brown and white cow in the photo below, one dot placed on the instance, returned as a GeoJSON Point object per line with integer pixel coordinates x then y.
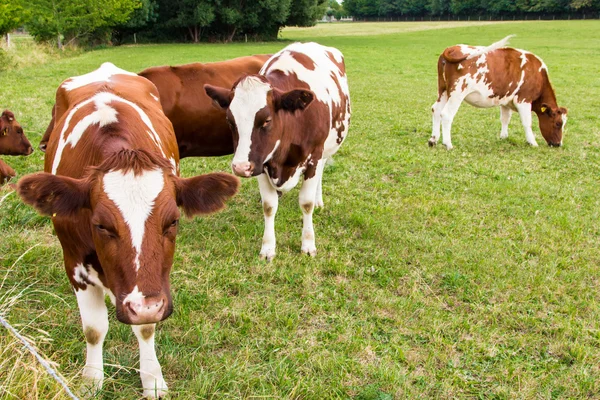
{"type": "Point", "coordinates": [112, 188]}
{"type": "Point", "coordinates": [12, 142]}
{"type": "Point", "coordinates": [484, 77]}
{"type": "Point", "coordinates": [200, 128]}
{"type": "Point", "coordinates": [287, 121]}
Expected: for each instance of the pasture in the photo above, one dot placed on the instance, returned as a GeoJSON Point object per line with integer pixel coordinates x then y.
{"type": "Point", "coordinates": [471, 273]}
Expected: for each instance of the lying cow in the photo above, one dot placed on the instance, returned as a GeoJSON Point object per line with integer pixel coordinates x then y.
{"type": "Point", "coordinates": [112, 188]}
{"type": "Point", "coordinates": [513, 79]}
{"type": "Point", "coordinates": [287, 121]}
{"type": "Point", "coordinates": [12, 142]}
{"type": "Point", "coordinates": [200, 128]}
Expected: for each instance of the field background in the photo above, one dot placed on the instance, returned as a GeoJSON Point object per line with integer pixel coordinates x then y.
{"type": "Point", "coordinates": [472, 273]}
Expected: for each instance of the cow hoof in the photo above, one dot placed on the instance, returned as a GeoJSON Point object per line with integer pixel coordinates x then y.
{"type": "Point", "coordinates": [319, 203]}
{"type": "Point", "coordinates": [155, 393]}
{"type": "Point", "coordinates": [503, 136]}
{"type": "Point", "coordinates": [310, 250]}
{"type": "Point", "coordinates": [432, 142]}
{"type": "Point", "coordinates": [92, 382]}
{"type": "Point", "coordinates": [533, 144]}
{"type": "Point", "coordinates": [267, 254]}
{"type": "Point", "coordinates": [448, 146]}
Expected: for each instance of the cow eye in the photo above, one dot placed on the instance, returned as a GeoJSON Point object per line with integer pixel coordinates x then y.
{"type": "Point", "coordinates": [173, 224]}
{"type": "Point", "coordinates": [267, 122]}
{"type": "Point", "coordinates": [231, 124]}
{"type": "Point", "coordinates": [106, 231]}
{"type": "Point", "coordinates": [20, 131]}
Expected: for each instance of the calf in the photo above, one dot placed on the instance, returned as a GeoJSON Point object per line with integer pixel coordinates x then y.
{"type": "Point", "coordinates": [513, 79]}
{"type": "Point", "coordinates": [12, 142]}
{"type": "Point", "coordinates": [287, 121]}
{"type": "Point", "coordinates": [200, 128]}
{"type": "Point", "coordinates": [112, 188]}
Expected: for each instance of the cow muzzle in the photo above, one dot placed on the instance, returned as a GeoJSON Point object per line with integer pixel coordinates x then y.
{"type": "Point", "coordinates": [147, 310]}
{"type": "Point", "coordinates": [243, 169]}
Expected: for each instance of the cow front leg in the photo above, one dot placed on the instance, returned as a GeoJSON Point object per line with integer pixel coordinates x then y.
{"type": "Point", "coordinates": [94, 317]}
{"type": "Point", "coordinates": [505, 114]}
{"type": "Point", "coordinates": [448, 113]}
{"type": "Point", "coordinates": [308, 193]}
{"type": "Point", "coordinates": [150, 372]}
{"type": "Point", "coordinates": [270, 202]}
{"type": "Point", "coordinates": [319, 195]}
{"type": "Point", "coordinates": [436, 110]}
{"type": "Point", "coordinates": [524, 110]}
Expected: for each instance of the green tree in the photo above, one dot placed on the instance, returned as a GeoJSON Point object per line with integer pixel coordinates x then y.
{"type": "Point", "coordinates": [12, 16]}
{"type": "Point", "coordinates": [77, 19]}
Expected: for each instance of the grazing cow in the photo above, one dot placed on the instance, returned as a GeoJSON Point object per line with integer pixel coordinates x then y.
{"type": "Point", "coordinates": [200, 128]}
{"type": "Point", "coordinates": [287, 121]}
{"type": "Point", "coordinates": [112, 188]}
{"type": "Point", "coordinates": [12, 142]}
{"type": "Point", "coordinates": [513, 79]}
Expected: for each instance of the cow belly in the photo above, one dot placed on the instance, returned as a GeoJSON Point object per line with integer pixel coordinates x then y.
{"type": "Point", "coordinates": [476, 99]}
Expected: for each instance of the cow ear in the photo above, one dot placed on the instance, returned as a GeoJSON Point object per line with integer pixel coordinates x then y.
{"type": "Point", "coordinates": [563, 110]}
{"type": "Point", "coordinates": [205, 194]}
{"type": "Point", "coordinates": [297, 99]}
{"type": "Point", "coordinates": [54, 195]}
{"type": "Point", "coordinates": [221, 97]}
{"type": "Point", "coordinates": [546, 109]}
{"type": "Point", "coordinates": [8, 115]}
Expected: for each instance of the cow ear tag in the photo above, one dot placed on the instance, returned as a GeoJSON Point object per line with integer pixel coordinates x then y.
{"type": "Point", "coordinates": [53, 215]}
{"type": "Point", "coordinates": [543, 109]}
{"type": "Point", "coordinates": [4, 131]}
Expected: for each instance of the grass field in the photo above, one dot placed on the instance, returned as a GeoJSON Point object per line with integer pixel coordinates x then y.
{"type": "Point", "coordinates": [473, 273]}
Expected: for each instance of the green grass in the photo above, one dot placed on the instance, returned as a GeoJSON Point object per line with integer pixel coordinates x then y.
{"type": "Point", "coordinates": [472, 273]}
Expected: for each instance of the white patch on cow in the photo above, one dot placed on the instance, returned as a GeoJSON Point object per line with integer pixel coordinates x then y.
{"type": "Point", "coordinates": [154, 97]}
{"type": "Point", "coordinates": [103, 115]}
{"type": "Point", "coordinates": [134, 297]}
{"type": "Point", "coordinates": [102, 74]}
{"type": "Point", "coordinates": [481, 60]}
{"type": "Point", "coordinates": [174, 166]}
{"type": "Point", "coordinates": [523, 58]}
{"type": "Point", "coordinates": [134, 196]}
{"type": "Point", "coordinates": [270, 155]}
{"type": "Point", "coordinates": [249, 98]}
{"type": "Point", "coordinates": [80, 274]}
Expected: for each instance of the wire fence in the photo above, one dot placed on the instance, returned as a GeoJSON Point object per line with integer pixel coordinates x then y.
{"type": "Point", "coordinates": [516, 17]}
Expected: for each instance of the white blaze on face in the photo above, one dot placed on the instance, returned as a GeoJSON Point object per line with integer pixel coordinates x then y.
{"type": "Point", "coordinates": [134, 196]}
{"type": "Point", "coordinates": [102, 74]}
{"type": "Point", "coordinates": [249, 98]}
{"type": "Point", "coordinates": [135, 297]}
{"type": "Point", "coordinates": [103, 115]}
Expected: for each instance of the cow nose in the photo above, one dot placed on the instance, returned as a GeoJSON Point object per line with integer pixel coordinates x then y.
{"type": "Point", "coordinates": [147, 310]}
{"type": "Point", "coordinates": [243, 169]}
{"type": "Point", "coordinates": [554, 144]}
{"type": "Point", "coordinates": [29, 150]}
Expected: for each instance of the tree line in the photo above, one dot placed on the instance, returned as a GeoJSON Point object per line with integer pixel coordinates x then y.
{"type": "Point", "coordinates": [115, 21]}
{"type": "Point", "coordinates": [400, 8]}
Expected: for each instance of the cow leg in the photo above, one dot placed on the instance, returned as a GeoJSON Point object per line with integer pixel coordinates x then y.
{"type": "Point", "coordinates": [270, 202]}
{"type": "Point", "coordinates": [448, 113]}
{"type": "Point", "coordinates": [524, 110]}
{"type": "Point", "coordinates": [436, 109]}
{"type": "Point", "coordinates": [308, 193]}
{"type": "Point", "coordinates": [94, 317]}
{"type": "Point", "coordinates": [505, 114]}
{"type": "Point", "coordinates": [152, 379]}
{"type": "Point", "coordinates": [319, 176]}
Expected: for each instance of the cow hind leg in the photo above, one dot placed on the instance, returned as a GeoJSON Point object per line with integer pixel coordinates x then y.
{"type": "Point", "coordinates": [448, 113]}
{"type": "Point", "coordinates": [94, 317]}
{"type": "Point", "coordinates": [270, 203]}
{"type": "Point", "coordinates": [150, 372]}
{"type": "Point", "coordinates": [308, 193]}
{"type": "Point", "coordinates": [524, 110]}
{"type": "Point", "coordinates": [505, 114]}
{"type": "Point", "coordinates": [436, 110]}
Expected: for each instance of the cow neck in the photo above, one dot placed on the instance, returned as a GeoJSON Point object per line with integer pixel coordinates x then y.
{"type": "Point", "coordinates": [546, 96]}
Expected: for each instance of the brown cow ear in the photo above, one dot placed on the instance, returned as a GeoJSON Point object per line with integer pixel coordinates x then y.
{"type": "Point", "coordinates": [297, 99]}
{"type": "Point", "coordinates": [221, 96]}
{"type": "Point", "coordinates": [205, 194]}
{"type": "Point", "coordinates": [54, 195]}
{"type": "Point", "coordinates": [546, 109]}
{"type": "Point", "coordinates": [8, 115]}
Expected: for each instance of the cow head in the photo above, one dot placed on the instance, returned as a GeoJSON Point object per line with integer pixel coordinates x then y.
{"type": "Point", "coordinates": [255, 113]}
{"type": "Point", "coordinates": [12, 139]}
{"type": "Point", "coordinates": [131, 206]}
{"type": "Point", "coordinates": [552, 121]}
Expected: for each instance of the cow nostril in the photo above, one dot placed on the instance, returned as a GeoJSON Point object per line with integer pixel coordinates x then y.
{"type": "Point", "coordinates": [131, 309]}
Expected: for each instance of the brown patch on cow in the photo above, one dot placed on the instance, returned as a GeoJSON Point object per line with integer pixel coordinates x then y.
{"type": "Point", "coordinates": [267, 209]}
{"type": "Point", "coordinates": [454, 54]}
{"type": "Point", "coordinates": [304, 60]}
{"type": "Point", "coordinates": [6, 172]}
{"type": "Point", "coordinates": [92, 336]}
{"type": "Point", "coordinates": [147, 332]}
{"type": "Point", "coordinates": [341, 66]}
{"type": "Point", "coordinates": [308, 207]}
